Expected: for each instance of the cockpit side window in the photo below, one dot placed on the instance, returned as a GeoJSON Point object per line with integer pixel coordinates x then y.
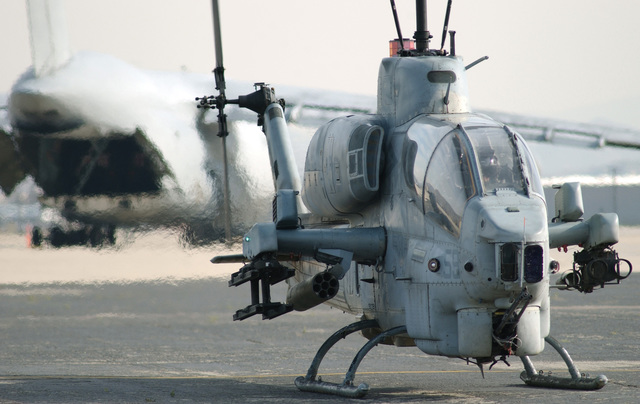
{"type": "Point", "coordinates": [448, 183]}
{"type": "Point", "coordinates": [499, 163]}
{"type": "Point", "coordinates": [422, 138]}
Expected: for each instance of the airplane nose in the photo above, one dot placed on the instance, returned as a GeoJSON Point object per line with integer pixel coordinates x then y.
{"type": "Point", "coordinates": [41, 113]}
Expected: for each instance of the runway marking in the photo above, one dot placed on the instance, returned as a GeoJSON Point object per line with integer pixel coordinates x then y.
{"type": "Point", "coordinates": [593, 308]}
{"type": "Point", "coordinates": [275, 376]}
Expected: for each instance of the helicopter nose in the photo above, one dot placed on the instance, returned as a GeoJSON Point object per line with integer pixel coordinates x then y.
{"type": "Point", "coordinates": [517, 220]}
{"type": "Point", "coordinates": [516, 235]}
{"type": "Point", "coordinates": [499, 224]}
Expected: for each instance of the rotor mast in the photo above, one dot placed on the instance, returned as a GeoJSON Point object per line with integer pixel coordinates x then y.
{"type": "Point", "coordinates": [421, 35]}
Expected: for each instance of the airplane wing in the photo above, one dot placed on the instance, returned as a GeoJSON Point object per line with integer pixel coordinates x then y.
{"type": "Point", "coordinates": [568, 133]}
{"type": "Point", "coordinates": [313, 108]}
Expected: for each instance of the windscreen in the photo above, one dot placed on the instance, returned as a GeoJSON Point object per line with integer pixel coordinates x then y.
{"type": "Point", "coordinates": [500, 165]}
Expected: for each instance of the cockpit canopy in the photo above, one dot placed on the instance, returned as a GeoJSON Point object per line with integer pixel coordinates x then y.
{"type": "Point", "coordinates": [447, 166]}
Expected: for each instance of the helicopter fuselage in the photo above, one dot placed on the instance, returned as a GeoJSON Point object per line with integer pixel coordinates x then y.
{"type": "Point", "coordinates": [425, 218]}
{"type": "Point", "coordinates": [460, 200]}
{"type": "Point", "coordinates": [427, 221]}
{"type": "Point", "coordinates": [457, 255]}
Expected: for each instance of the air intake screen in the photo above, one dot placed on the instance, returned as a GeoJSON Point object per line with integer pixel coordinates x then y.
{"type": "Point", "coordinates": [533, 264]}
{"type": "Point", "coordinates": [509, 262]}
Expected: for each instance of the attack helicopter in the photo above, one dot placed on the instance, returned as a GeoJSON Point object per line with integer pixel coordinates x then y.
{"type": "Point", "coordinates": [425, 220]}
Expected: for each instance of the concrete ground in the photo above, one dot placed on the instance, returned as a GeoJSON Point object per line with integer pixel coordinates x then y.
{"type": "Point", "coordinates": [151, 322]}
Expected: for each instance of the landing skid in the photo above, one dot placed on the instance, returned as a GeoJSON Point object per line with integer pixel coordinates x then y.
{"type": "Point", "coordinates": [575, 382]}
{"type": "Point", "coordinates": [347, 388]}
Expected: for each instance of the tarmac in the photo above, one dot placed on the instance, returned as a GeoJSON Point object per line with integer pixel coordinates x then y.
{"type": "Point", "coordinates": [150, 321]}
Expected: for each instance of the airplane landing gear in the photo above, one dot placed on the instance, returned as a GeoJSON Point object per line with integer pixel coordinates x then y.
{"type": "Point", "coordinates": [576, 381]}
{"type": "Point", "coordinates": [347, 388]}
{"type": "Point", "coordinates": [95, 236]}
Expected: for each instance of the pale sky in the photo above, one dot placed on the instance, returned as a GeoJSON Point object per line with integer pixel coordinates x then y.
{"type": "Point", "coordinates": [573, 59]}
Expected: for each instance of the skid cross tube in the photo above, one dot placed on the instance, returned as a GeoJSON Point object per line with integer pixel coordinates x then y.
{"type": "Point", "coordinates": [332, 340]}
{"type": "Point", "coordinates": [575, 382]}
{"type": "Point", "coordinates": [351, 374]}
{"type": "Point", "coordinates": [346, 389]}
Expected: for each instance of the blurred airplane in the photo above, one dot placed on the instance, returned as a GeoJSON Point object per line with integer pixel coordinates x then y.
{"type": "Point", "coordinates": [113, 146]}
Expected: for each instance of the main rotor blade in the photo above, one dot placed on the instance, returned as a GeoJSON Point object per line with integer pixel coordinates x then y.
{"type": "Point", "coordinates": [227, 197]}
{"type": "Point", "coordinates": [217, 36]}
{"type": "Point", "coordinates": [220, 86]}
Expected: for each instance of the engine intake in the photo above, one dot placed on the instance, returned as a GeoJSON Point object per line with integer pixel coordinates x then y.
{"type": "Point", "coordinates": [343, 165]}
